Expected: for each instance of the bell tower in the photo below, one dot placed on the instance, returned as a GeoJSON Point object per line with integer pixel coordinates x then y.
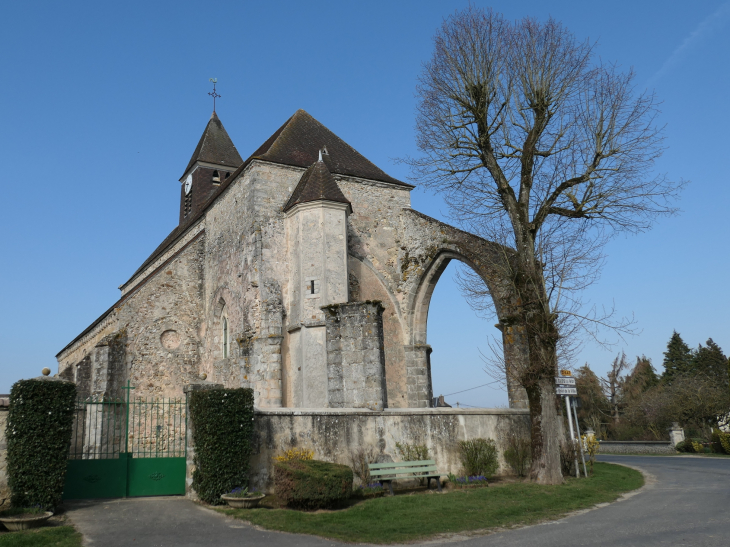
{"type": "Point", "coordinates": [214, 160]}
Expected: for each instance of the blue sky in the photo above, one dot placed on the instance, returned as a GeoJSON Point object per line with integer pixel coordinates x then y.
{"type": "Point", "coordinates": [103, 103]}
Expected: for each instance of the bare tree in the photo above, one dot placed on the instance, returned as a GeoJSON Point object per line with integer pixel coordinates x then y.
{"type": "Point", "coordinates": [613, 384]}
{"type": "Point", "coordinates": [539, 147]}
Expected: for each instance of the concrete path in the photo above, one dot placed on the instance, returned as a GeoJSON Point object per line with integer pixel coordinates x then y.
{"type": "Point", "coordinates": [686, 502]}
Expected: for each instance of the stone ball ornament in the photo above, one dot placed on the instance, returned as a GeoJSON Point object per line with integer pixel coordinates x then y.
{"type": "Point", "coordinates": [46, 371]}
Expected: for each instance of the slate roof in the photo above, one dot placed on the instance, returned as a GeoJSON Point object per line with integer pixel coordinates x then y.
{"type": "Point", "coordinates": [295, 143]}
{"type": "Point", "coordinates": [317, 183]}
{"type": "Point", "coordinates": [215, 146]}
{"type": "Point", "coordinates": [299, 141]}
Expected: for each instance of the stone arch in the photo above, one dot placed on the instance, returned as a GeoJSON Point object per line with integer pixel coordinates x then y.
{"type": "Point", "coordinates": [430, 245]}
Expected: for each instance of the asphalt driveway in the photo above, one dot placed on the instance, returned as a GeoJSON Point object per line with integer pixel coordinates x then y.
{"type": "Point", "coordinates": [686, 501]}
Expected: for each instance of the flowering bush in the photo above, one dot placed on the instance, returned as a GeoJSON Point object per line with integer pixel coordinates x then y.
{"type": "Point", "coordinates": [468, 481]}
{"type": "Point", "coordinates": [373, 489]}
{"type": "Point", "coordinates": [590, 447]}
{"type": "Point", "coordinates": [300, 454]}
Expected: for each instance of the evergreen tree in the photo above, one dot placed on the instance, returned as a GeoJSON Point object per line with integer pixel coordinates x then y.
{"type": "Point", "coordinates": [642, 378]}
{"type": "Point", "coordinates": [711, 361]}
{"type": "Point", "coordinates": [677, 358]}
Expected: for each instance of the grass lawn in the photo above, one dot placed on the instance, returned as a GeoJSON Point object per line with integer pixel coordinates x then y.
{"type": "Point", "coordinates": [410, 517]}
{"type": "Point", "coordinates": [56, 536]}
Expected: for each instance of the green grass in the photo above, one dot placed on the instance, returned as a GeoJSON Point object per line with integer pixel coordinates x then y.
{"type": "Point", "coordinates": [411, 517]}
{"type": "Point", "coordinates": [57, 536]}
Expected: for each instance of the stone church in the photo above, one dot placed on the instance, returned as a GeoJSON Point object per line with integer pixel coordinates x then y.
{"type": "Point", "coordinates": [301, 272]}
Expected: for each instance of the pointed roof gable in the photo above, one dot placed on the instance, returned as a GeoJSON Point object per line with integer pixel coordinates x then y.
{"type": "Point", "coordinates": [215, 146]}
{"type": "Point", "coordinates": [316, 184]}
{"type": "Point", "coordinates": [300, 139]}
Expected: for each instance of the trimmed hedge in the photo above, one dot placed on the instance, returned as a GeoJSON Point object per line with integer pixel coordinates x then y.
{"type": "Point", "coordinates": [40, 422]}
{"type": "Point", "coordinates": [312, 484]}
{"type": "Point", "coordinates": [222, 430]}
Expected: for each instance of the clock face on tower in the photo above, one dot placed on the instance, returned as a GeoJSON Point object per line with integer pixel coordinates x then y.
{"type": "Point", "coordinates": [188, 184]}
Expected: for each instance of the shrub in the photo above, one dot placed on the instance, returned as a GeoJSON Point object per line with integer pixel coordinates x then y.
{"type": "Point", "coordinates": [312, 484]}
{"type": "Point", "coordinates": [518, 453]}
{"type": "Point", "coordinates": [412, 452]}
{"type": "Point", "coordinates": [479, 457]}
{"type": "Point", "coordinates": [222, 430]}
{"type": "Point", "coordinates": [725, 442]}
{"type": "Point", "coordinates": [360, 460]}
{"type": "Point", "coordinates": [684, 446]}
{"type": "Point", "coordinates": [40, 422]}
{"type": "Point", "coordinates": [295, 454]}
{"type": "Point", "coordinates": [591, 446]}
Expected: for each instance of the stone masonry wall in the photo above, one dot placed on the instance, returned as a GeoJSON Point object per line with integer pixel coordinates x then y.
{"type": "Point", "coordinates": [355, 360]}
{"type": "Point", "coordinates": [335, 434]}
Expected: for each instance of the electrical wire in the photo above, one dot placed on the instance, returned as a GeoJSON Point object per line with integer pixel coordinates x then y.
{"type": "Point", "coordinates": [476, 387]}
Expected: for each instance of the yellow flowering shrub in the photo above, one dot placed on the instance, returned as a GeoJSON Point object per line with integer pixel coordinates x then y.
{"type": "Point", "coordinates": [590, 448]}
{"type": "Point", "coordinates": [295, 454]}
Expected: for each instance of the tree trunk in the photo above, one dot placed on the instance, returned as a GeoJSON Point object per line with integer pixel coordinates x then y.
{"type": "Point", "coordinates": [546, 433]}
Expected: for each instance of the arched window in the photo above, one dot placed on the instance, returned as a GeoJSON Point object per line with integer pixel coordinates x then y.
{"type": "Point", "coordinates": [225, 337]}
{"type": "Point", "coordinates": [216, 177]}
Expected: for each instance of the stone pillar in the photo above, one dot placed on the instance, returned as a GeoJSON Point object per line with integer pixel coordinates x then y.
{"type": "Point", "coordinates": [190, 446]}
{"type": "Point", "coordinates": [355, 356]}
{"type": "Point", "coordinates": [418, 375]}
{"type": "Point", "coordinates": [515, 349]}
{"type": "Point", "coordinates": [676, 434]}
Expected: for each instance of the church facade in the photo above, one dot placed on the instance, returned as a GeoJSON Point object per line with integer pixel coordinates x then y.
{"type": "Point", "coordinates": [301, 272]}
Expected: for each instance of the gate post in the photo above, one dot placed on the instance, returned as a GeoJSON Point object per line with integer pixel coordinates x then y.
{"type": "Point", "coordinates": [189, 447]}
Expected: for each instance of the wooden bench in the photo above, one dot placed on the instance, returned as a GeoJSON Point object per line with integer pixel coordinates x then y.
{"type": "Point", "coordinates": [388, 472]}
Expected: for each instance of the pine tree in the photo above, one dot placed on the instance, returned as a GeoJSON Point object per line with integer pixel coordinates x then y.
{"type": "Point", "coordinates": [677, 358]}
{"type": "Point", "coordinates": [711, 361]}
{"type": "Point", "coordinates": [642, 378]}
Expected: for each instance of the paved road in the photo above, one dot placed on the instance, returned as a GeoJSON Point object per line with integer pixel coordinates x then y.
{"type": "Point", "coordinates": [686, 502]}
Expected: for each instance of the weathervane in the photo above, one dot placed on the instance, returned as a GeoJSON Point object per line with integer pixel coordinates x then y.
{"type": "Point", "coordinates": [213, 93]}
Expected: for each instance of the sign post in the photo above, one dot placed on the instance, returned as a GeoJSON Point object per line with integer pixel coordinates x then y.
{"type": "Point", "coordinates": [562, 389]}
{"type": "Point", "coordinates": [580, 441]}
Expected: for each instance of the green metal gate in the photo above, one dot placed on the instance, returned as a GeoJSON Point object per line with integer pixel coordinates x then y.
{"type": "Point", "coordinates": [132, 447]}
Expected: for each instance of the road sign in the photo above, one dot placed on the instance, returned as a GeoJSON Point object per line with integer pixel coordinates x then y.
{"type": "Point", "coordinates": [565, 381]}
{"type": "Point", "coordinates": [566, 391]}
{"type": "Point", "coordinates": [565, 372]}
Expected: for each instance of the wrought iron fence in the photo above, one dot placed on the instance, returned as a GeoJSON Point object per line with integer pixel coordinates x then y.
{"type": "Point", "coordinates": [145, 427]}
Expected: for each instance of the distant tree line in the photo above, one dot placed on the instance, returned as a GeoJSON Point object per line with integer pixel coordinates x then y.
{"type": "Point", "coordinates": [636, 403]}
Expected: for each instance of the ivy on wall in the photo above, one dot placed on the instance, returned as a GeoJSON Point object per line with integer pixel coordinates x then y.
{"type": "Point", "coordinates": [39, 427]}
{"type": "Point", "coordinates": [222, 432]}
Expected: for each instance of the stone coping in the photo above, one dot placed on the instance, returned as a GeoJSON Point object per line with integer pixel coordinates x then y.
{"type": "Point", "coordinates": [389, 411]}
{"type": "Point", "coordinates": [635, 442]}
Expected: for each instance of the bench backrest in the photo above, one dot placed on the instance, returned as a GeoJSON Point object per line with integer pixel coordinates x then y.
{"type": "Point", "coordinates": [385, 470]}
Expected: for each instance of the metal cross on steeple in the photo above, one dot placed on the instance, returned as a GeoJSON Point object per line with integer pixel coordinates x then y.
{"type": "Point", "coordinates": [213, 93]}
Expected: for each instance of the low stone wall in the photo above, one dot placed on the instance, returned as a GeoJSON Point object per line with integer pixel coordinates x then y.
{"type": "Point", "coordinates": [334, 434]}
{"type": "Point", "coordinates": [636, 447]}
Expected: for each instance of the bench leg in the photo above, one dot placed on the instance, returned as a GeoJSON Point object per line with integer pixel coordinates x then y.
{"type": "Point", "coordinates": [390, 486]}
{"type": "Point", "coordinates": [438, 483]}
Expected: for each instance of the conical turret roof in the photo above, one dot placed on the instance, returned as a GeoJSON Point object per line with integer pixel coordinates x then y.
{"type": "Point", "coordinates": [215, 146]}
{"type": "Point", "coordinates": [316, 184]}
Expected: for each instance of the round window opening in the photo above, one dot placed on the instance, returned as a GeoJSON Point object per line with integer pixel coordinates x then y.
{"type": "Point", "coordinates": [170, 339]}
